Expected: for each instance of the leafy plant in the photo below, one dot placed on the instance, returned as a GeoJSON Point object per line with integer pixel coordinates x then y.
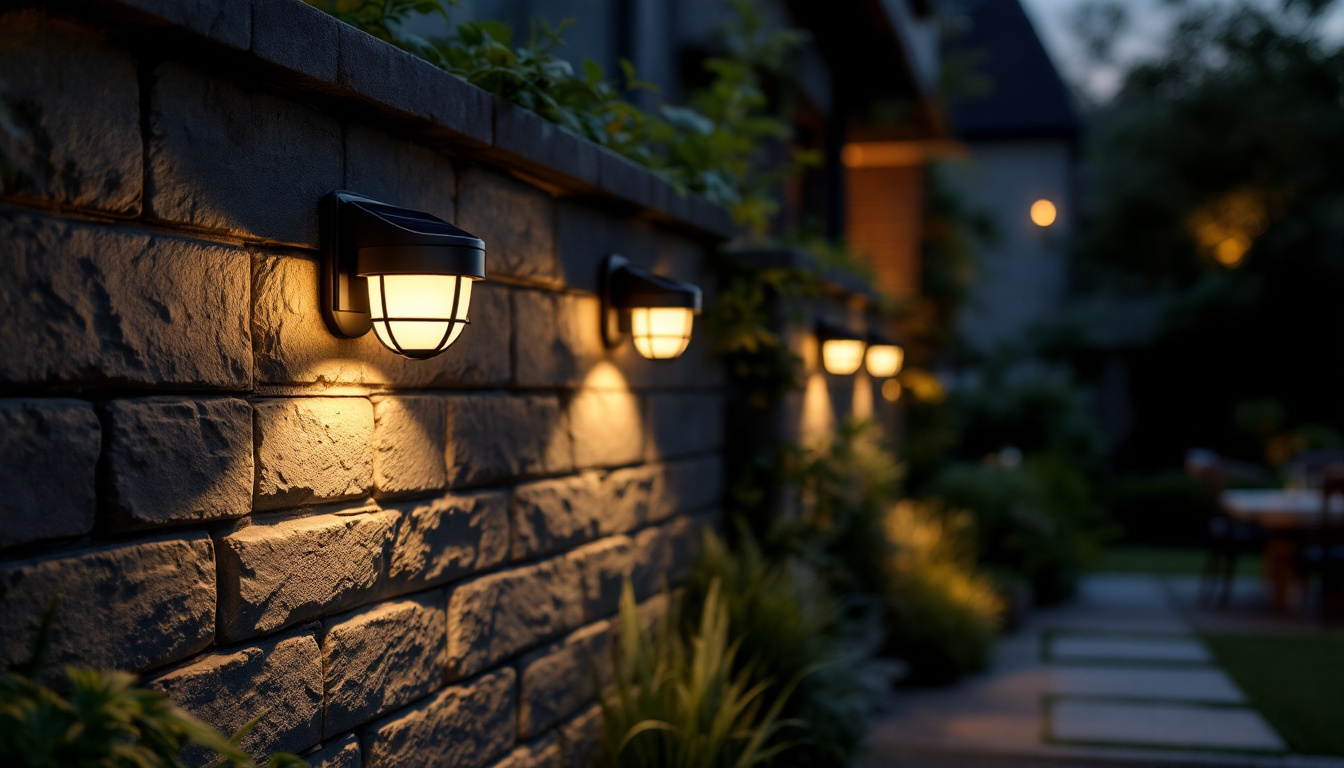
{"type": "Point", "coordinates": [683, 701]}
{"type": "Point", "coordinates": [789, 626]}
{"type": "Point", "coordinates": [100, 719]}
{"type": "Point", "coordinates": [945, 613]}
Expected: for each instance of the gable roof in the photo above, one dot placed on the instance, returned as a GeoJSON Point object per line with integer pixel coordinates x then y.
{"type": "Point", "coordinates": [1025, 95]}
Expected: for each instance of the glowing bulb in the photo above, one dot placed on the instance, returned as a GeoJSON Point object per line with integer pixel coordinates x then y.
{"type": "Point", "coordinates": [1043, 213]}
{"type": "Point", "coordinates": [884, 360]}
{"type": "Point", "coordinates": [419, 316]}
{"type": "Point", "coordinates": [661, 333]}
{"type": "Point", "coordinates": [842, 357]}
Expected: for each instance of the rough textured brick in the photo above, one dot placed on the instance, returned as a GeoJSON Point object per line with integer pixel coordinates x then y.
{"type": "Point", "coordinates": [679, 424]}
{"type": "Point", "coordinates": [278, 680]}
{"type": "Point", "coordinates": [448, 537]}
{"type": "Point", "coordinates": [312, 450]}
{"type": "Point", "coordinates": [130, 606]}
{"type": "Point", "coordinates": [604, 565]}
{"type": "Point", "coordinates": [98, 305]}
{"type": "Point", "coordinates": [685, 536]}
{"type": "Point", "coordinates": [652, 567]}
{"type": "Point", "coordinates": [552, 515]}
{"type": "Point", "coordinates": [492, 437]}
{"type": "Point", "coordinates": [554, 681]}
{"type": "Point", "coordinates": [279, 571]}
{"type": "Point", "coordinates": [586, 235]}
{"type": "Point", "coordinates": [527, 140]}
{"type": "Point", "coordinates": [294, 346]}
{"type": "Point", "coordinates": [401, 85]}
{"type": "Point", "coordinates": [692, 484]}
{"type": "Point", "coordinates": [48, 453]}
{"type": "Point", "coordinates": [381, 658]}
{"type": "Point", "coordinates": [607, 428]}
{"type": "Point", "coordinates": [342, 753]}
{"type": "Point", "coordinates": [465, 726]}
{"type": "Point", "coordinates": [312, 54]}
{"type": "Point", "coordinates": [174, 459]}
{"type": "Point", "coordinates": [542, 753]}
{"type": "Point", "coordinates": [245, 163]}
{"type": "Point", "coordinates": [77, 102]}
{"type": "Point", "coordinates": [516, 221]}
{"type": "Point", "coordinates": [557, 338]}
{"type": "Point", "coordinates": [398, 172]}
{"type": "Point", "coordinates": [495, 616]}
{"type": "Point", "coordinates": [631, 497]}
{"type": "Point", "coordinates": [581, 738]}
{"type": "Point", "coordinates": [409, 440]}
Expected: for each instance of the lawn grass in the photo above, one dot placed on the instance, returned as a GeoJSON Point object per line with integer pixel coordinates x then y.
{"type": "Point", "coordinates": [1295, 680]}
{"type": "Point", "coordinates": [1167, 561]}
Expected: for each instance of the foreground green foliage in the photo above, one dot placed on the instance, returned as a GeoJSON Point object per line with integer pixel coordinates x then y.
{"type": "Point", "coordinates": [1295, 681]}
{"type": "Point", "coordinates": [713, 145]}
{"type": "Point", "coordinates": [682, 700]}
{"type": "Point", "coordinates": [789, 626]}
{"type": "Point", "coordinates": [100, 719]}
{"type": "Point", "coordinates": [945, 613]}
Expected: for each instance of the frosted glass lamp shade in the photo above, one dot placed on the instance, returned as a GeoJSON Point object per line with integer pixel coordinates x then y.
{"type": "Point", "coordinates": [884, 360]}
{"type": "Point", "coordinates": [842, 357]}
{"type": "Point", "coordinates": [419, 316]}
{"type": "Point", "coordinates": [661, 333]}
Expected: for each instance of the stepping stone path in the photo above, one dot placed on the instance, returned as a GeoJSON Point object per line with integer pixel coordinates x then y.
{"type": "Point", "coordinates": [1115, 674]}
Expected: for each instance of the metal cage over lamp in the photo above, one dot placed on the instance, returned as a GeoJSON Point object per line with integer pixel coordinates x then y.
{"type": "Point", "coordinates": [841, 349]}
{"type": "Point", "coordinates": [404, 274]}
{"type": "Point", "coordinates": [884, 357]}
{"type": "Point", "coordinates": [657, 311]}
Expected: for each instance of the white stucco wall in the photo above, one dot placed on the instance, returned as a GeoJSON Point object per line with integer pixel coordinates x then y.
{"type": "Point", "coordinates": [1024, 271]}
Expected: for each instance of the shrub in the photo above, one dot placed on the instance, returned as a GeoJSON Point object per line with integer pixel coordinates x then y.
{"type": "Point", "coordinates": [1035, 520]}
{"type": "Point", "coordinates": [787, 623]}
{"type": "Point", "coordinates": [1164, 509]}
{"type": "Point", "coordinates": [945, 613]}
{"type": "Point", "coordinates": [685, 702]}
{"type": "Point", "coordinates": [100, 719]}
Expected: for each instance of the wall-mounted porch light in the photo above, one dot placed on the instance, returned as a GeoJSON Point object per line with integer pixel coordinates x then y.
{"type": "Point", "coordinates": [841, 349]}
{"type": "Point", "coordinates": [656, 311]}
{"type": "Point", "coordinates": [403, 274]}
{"type": "Point", "coordinates": [884, 357]}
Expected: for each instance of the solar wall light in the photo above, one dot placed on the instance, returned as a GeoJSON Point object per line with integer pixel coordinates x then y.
{"type": "Point", "coordinates": [841, 349]}
{"type": "Point", "coordinates": [884, 357]}
{"type": "Point", "coordinates": [656, 311]}
{"type": "Point", "coordinates": [404, 274]}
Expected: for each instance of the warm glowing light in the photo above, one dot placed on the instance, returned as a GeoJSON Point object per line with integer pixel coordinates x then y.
{"type": "Point", "coordinates": [661, 333]}
{"type": "Point", "coordinates": [1231, 251]}
{"type": "Point", "coordinates": [842, 357]}
{"type": "Point", "coordinates": [1043, 213]}
{"type": "Point", "coordinates": [419, 316]}
{"type": "Point", "coordinates": [891, 390]}
{"type": "Point", "coordinates": [884, 360]}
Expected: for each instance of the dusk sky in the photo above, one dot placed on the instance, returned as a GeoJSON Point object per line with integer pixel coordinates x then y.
{"type": "Point", "coordinates": [1147, 22]}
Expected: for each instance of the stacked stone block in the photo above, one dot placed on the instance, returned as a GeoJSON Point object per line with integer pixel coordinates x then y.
{"type": "Point", "coordinates": [391, 562]}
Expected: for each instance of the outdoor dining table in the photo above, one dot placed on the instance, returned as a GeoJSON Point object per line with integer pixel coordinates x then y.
{"type": "Point", "coordinates": [1286, 515]}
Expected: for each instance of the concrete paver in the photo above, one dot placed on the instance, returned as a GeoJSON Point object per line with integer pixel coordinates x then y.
{"type": "Point", "coordinates": [1169, 725]}
{"type": "Point", "coordinates": [1175, 648]}
{"type": "Point", "coordinates": [1208, 685]}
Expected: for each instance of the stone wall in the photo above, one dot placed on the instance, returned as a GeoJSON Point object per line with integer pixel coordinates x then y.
{"type": "Point", "coordinates": [392, 562]}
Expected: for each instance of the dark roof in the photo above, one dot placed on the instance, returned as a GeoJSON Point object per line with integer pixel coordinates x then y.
{"type": "Point", "coordinates": [1023, 94]}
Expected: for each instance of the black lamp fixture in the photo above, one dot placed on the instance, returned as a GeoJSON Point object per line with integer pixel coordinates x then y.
{"type": "Point", "coordinates": [404, 274]}
{"type": "Point", "coordinates": [655, 310]}
{"type": "Point", "coordinates": [884, 357]}
{"type": "Point", "coordinates": [841, 349]}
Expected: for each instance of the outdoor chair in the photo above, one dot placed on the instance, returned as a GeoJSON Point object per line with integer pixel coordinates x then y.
{"type": "Point", "coordinates": [1228, 538]}
{"type": "Point", "coordinates": [1322, 554]}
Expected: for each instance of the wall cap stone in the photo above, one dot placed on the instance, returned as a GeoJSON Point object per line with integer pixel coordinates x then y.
{"type": "Point", "coordinates": [431, 102]}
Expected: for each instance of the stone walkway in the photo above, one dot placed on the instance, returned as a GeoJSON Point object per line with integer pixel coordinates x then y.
{"type": "Point", "coordinates": [1116, 675]}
